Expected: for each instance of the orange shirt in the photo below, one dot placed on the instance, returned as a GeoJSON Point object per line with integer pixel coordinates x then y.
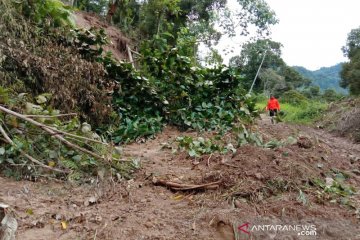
{"type": "Point", "coordinates": [273, 104]}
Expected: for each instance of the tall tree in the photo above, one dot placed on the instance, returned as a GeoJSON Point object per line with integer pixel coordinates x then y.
{"type": "Point", "coordinates": [249, 61]}
{"type": "Point", "coordinates": [251, 56]}
{"type": "Point", "coordinates": [350, 74]}
{"type": "Point", "coordinates": [352, 43]}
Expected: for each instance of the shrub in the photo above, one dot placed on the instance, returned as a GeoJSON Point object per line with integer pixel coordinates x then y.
{"type": "Point", "coordinates": [293, 97]}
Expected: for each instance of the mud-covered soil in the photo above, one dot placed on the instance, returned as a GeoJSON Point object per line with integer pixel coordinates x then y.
{"type": "Point", "coordinates": [258, 186]}
{"type": "Point", "coordinates": [118, 43]}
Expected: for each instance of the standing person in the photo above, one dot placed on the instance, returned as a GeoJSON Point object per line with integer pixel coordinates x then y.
{"type": "Point", "coordinates": [273, 107]}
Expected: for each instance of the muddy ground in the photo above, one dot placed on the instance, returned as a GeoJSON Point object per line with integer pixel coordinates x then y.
{"type": "Point", "coordinates": [257, 185]}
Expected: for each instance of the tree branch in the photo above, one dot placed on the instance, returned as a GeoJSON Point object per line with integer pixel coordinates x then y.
{"type": "Point", "coordinates": [10, 141]}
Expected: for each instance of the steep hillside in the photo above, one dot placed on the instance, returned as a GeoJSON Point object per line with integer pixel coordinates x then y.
{"type": "Point", "coordinates": [343, 119]}
{"type": "Point", "coordinates": [325, 77]}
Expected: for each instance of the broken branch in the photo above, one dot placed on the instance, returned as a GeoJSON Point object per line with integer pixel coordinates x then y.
{"type": "Point", "coordinates": [51, 132]}
{"type": "Point", "coordinates": [8, 139]}
{"type": "Point", "coordinates": [183, 187]}
{"type": "Point", "coordinates": [51, 116]}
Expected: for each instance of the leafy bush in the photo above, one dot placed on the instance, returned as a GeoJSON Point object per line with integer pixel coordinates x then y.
{"type": "Point", "coordinates": [305, 113]}
{"type": "Point", "coordinates": [47, 12]}
{"type": "Point", "coordinates": [293, 97]}
{"type": "Point", "coordinates": [168, 88]}
{"type": "Point", "coordinates": [200, 146]}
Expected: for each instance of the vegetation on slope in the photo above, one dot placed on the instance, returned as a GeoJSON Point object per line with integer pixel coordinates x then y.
{"type": "Point", "coordinates": [325, 77]}
{"type": "Point", "coordinates": [44, 54]}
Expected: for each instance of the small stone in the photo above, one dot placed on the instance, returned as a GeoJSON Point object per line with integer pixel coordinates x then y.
{"type": "Point", "coordinates": [237, 204]}
{"type": "Point", "coordinates": [148, 225]}
{"type": "Point", "coordinates": [258, 176]}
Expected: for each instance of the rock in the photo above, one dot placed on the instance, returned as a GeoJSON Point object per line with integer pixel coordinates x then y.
{"type": "Point", "coordinates": [320, 165]}
{"type": "Point", "coordinates": [90, 201]}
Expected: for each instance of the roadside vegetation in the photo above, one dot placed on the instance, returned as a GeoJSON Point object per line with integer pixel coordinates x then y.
{"type": "Point", "coordinates": [298, 109]}
{"type": "Point", "coordinates": [157, 112]}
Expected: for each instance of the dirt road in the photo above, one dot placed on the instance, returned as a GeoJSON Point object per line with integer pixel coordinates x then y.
{"type": "Point", "coordinates": [259, 186]}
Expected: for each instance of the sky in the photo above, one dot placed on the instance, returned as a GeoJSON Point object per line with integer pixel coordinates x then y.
{"type": "Point", "coordinates": [312, 31]}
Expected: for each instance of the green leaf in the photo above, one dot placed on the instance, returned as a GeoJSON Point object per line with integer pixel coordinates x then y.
{"type": "Point", "coordinates": [192, 153]}
{"type": "Point", "coordinates": [53, 154]}
{"type": "Point", "coordinates": [77, 157]}
{"type": "Point", "coordinates": [2, 150]}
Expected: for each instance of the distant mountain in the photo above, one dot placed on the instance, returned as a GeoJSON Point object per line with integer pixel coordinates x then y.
{"type": "Point", "coordinates": [325, 77]}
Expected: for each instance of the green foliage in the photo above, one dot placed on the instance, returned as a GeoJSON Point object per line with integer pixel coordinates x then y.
{"type": "Point", "coordinates": [243, 136]}
{"type": "Point", "coordinates": [155, 14]}
{"type": "Point", "coordinates": [127, 17]}
{"type": "Point", "coordinates": [4, 95]}
{"type": "Point", "coordinates": [304, 112]}
{"type": "Point", "coordinates": [96, 6]}
{"type": "Point", "coordinates": [251, 56]}
{"type": "Point", "coordinates": [89, 42]}
{"type": "Point", "coordinates": [330, 95]}
{"type": "Point", "coordinates": [169, 89]}
{"type": "Point", "coordinates": [47, 13]}
{"type": "Point", "coordinates": [136, 127]}
{"type": "Point", "coordinates": [325, 77]}
{"type": "Point", "coordinates": [144, 19]}
{"type": "Point", "coordinates": [275, 77]}
{"type": "Point", "coordinates": [253, 13]}
{"type": "Point", "coordinates": [200, 146]}
{"type": "Point", "coordinates": [50, 151]}
{"type": "Point", "coordinates": [350, 73]}
{"type": "Point", "coordinates": [311, 92]}
{"type": "Point", "coordinates": [352, 43]}
{"type": "Point", "coordinates": [334, 189]}
{"type": "Point", "coordinates": [293, 97]}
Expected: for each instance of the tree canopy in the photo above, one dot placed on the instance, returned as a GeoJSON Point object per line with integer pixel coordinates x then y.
{"type": "Point", "coordinates": [275, 77]}
{"type": "Point", "coordinates": [350, 74]}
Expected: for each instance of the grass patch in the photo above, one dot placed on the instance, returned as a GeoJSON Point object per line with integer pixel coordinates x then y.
{"type": "Point", "coordinates": [306, 112]}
